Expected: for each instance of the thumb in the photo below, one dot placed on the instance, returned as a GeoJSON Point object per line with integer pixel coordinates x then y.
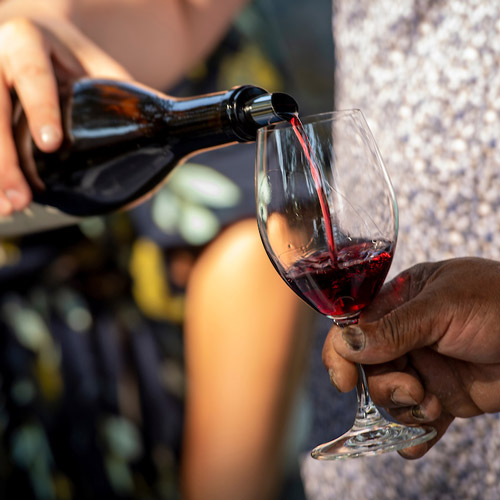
{"type": "Point", "coordinates": [407, 314]}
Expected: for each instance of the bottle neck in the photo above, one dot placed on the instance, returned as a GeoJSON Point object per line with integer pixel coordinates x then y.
{"type": "Point", "coordinates": [212, 120]}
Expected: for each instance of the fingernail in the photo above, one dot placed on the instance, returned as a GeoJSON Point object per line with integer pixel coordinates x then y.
{"type": "Point", "coordinates": [417, 412]}
{"type": "Point", "coordinates": [401, 397]}
{"type": "Point", "coordinates": [354, 337]}
{"type": "Point", "coordinates": [17, 198]}
{"type": "Point", "coordinates": [331, 374]}
{"type": "Point", "coordinates": [50, 135]}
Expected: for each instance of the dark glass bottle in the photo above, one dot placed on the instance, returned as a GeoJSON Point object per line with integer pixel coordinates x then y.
{"type": "Point", "coordinates": [121, 140]}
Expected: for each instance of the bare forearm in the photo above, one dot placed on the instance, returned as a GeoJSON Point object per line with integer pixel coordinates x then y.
{"type": "Point", "coordinates": [243, 359]}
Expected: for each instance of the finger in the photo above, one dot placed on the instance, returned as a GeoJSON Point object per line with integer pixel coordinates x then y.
{"type": "Point", "coordinates": [428, 410]}
{"type": "Point", "coordinates": [450, 380]}
{"type": "Point", "coordinates": [482, 384]}
{"type": "Point", "coordinates": [440, 425]}
{"type": "Point", "coordinates": [419, 317]}
{"type": "Point", "coordinates": [399, 290]}
{"type": "Point", "coordinates": [28, 68]}
{"type": "Point", "coordinates": [402, 393]}
{"type": "Point", "coordinates": [14, 191]}
{"type": "Point", "coordinates": [343, 374]}
{"type": "Point", "coordinates": [393, 388]}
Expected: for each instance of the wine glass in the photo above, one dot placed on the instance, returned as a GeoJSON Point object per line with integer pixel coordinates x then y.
{"type": "Point", "coordinates": [328, 219]}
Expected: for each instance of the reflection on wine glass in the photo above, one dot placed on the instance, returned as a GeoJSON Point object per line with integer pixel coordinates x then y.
{"type": "Point", "coordinates": [328, 219]}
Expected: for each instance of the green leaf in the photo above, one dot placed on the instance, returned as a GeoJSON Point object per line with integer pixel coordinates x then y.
{"type": "Point", "coordinates": [205, 186]}
{"type": "Point", "coordinates": [198, 224]}
{"type": "Point", "coordinates": [166, 210]}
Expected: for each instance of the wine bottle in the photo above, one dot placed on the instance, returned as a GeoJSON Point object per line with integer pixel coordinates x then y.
{"type": "Point", "coordinates": [122, 139]}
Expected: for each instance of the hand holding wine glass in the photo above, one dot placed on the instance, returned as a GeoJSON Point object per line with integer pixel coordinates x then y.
{"type": "Point", "coordinates": [444, 352]}
{"type": "Point", "coordinates": [327, 216]}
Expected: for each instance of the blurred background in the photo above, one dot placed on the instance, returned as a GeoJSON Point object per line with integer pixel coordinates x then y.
{"type": "Point", "coordinates": [93, 356]}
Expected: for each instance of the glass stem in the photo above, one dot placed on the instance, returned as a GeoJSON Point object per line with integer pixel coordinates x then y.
{"type": "Point", "coordinates": [367, 413]}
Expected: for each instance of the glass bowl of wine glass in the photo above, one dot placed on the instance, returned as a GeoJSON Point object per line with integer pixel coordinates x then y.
{"type": "Point", "coordinates": [328, 219]}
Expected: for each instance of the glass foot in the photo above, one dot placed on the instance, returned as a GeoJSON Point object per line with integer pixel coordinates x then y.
{"type": "Point", "coordinates": [373, 440]}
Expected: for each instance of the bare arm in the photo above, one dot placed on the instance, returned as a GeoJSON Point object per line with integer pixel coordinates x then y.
{"type": "Point", "coordinates": [245, 346]}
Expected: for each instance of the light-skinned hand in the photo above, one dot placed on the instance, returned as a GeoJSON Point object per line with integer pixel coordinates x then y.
{"type": "Point", "coordinates": [37, 52]}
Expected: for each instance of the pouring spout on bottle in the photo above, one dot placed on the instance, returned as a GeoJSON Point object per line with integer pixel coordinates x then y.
{"type": "Point", "coordinates": [251, 108]}
{"type": "Point", "coordinates": [271, 108]}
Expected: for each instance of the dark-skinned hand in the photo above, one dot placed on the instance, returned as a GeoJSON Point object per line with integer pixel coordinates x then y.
{"type": "Point", "coordinates": [430, 344]}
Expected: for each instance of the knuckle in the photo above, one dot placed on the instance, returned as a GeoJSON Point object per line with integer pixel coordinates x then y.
{"type": "Point", "coordinates": [17, 26]}
{"type": "Point", "coordinates": [18, 37]}
{"type": "Point", "coordinates": [391, 330]}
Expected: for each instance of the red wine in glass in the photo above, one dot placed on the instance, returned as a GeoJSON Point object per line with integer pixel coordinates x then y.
{"type": "Point", "coordinates": [345, 287]}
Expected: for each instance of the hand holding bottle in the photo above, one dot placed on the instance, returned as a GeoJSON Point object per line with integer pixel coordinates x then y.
{"type": "Point", "coordinates": [431, 345]}
{"type": "Point", "coordinates": [39, 47]}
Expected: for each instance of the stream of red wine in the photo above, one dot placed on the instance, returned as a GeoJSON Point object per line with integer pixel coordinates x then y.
{"type": "Point", "coordinates": [298, 128]}
{"type": "Point", "coordinates": [339, 282]}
